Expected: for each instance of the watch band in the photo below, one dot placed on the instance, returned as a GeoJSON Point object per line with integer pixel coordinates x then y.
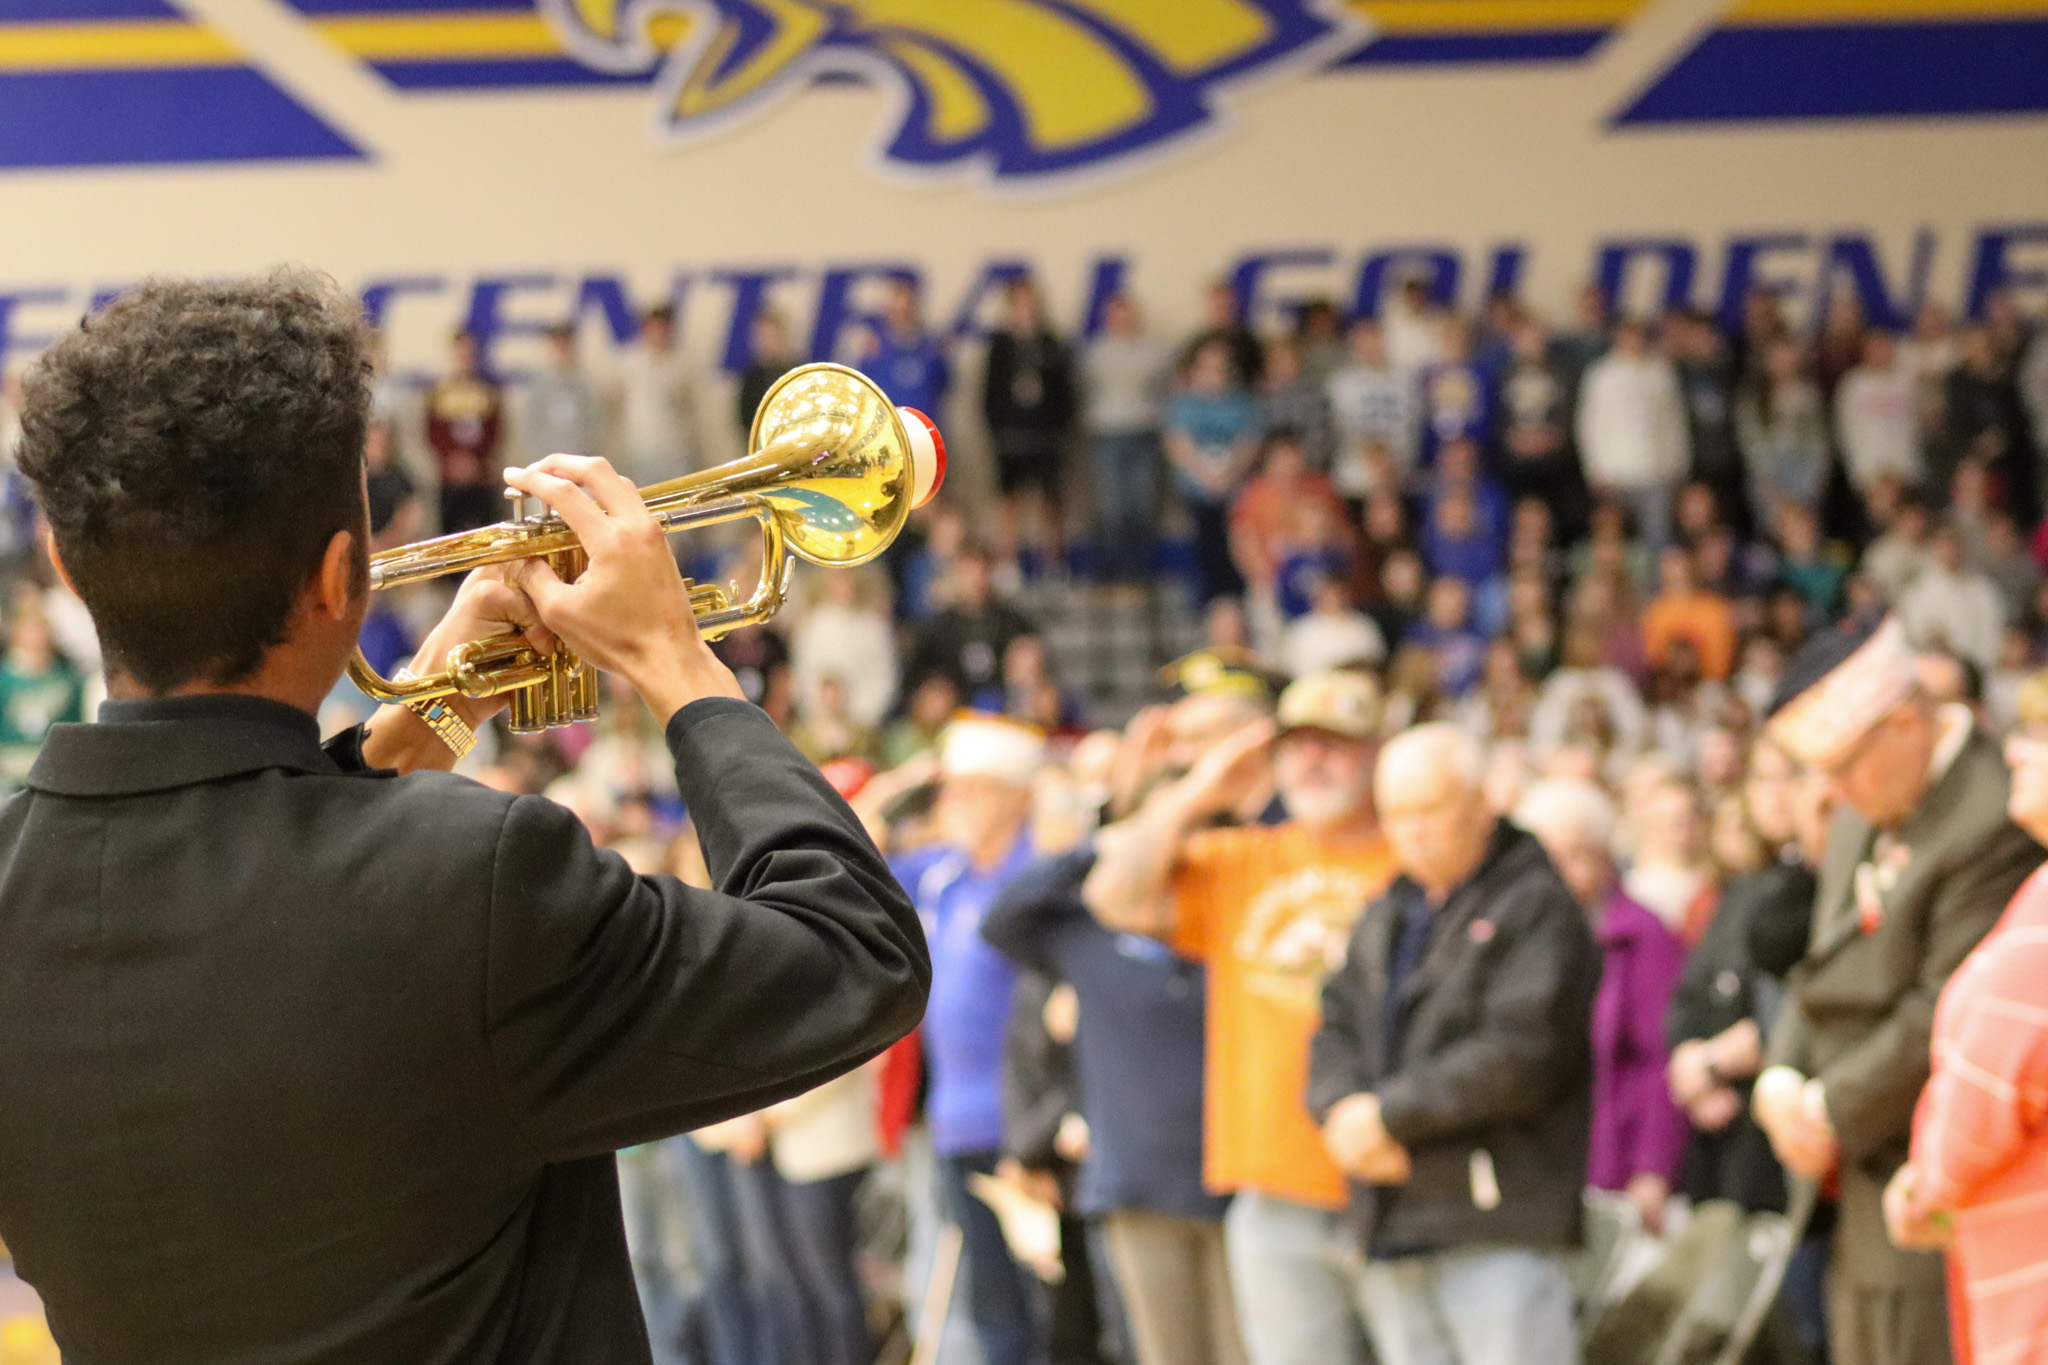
{"type": "Point", "coordinates": [448, 726]}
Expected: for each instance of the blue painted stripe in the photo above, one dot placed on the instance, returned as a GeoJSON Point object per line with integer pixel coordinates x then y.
{"type": "Point", "coordinates": [82, 11]}
{"type": "Point", "coordinates": [1448, 49]}
{"type": "Point", "coordinates": [508, 73]}
{"type": "Point", "coordinates": [156, 117]}
{"type": "Point", "coordinates": [331, 7]}
{"type": "Point", "coordinates": [1853, 71]}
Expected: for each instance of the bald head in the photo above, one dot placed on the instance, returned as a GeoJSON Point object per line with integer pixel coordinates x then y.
{"type": "Point", "coordinates": [1432, 805]}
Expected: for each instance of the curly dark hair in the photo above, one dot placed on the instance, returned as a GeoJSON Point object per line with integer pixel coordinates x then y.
{"type": "Point", "coordinates": [196, 446]}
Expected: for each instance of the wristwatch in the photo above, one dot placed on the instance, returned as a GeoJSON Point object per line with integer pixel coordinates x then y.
{"type": "Point", "coordinates": [448, 726]}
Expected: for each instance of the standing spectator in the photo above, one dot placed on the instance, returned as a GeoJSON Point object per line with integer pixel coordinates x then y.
{"type": "Point", "coordinates": [1457, 543]}
{"type": "Point", "coordinates": [1840, 346]}
{"type": "Point", "coordinates": [1783, 429]}
{"type": "Point", "coordinates": [1893, 560]}
{"type": "Point", "coordinates": [1319, 337]}
{"type": "Point", "coordinates": [2003, 558]}
{"type": "Point", "coordinates": [769, 357]}
{"type": "Point", "coordinates": [820, 1147]}
{"type": "Point", "coordinates": [1125, 377]}
{"type": "Point", "coordinates": [1725, 1004]}
{"type": "Point", "coordinates": [1682, 610]}
{"type": "Point", "coordinates": [846, 635]}
{"type": "Point", "coordinates": [1211, 437]}
{"type": "Point", "coordinates": [1669, 872]}
{"type": "Point", "coordinates": [1536, 428]}
{"type": "Point", "coordinates": [1290, 400]}
{"type": "Point", "coordinates": [1265, 524]}
{"type": "Point", "coordinates": [1978, 1170]}
{"type": "Point", "coordinates": [1805, 565]}
{"type": "Point", "coordinates": [1446, 631]}
{"type": "Point", "coordinates": [965, 642]}
{"type": "Point", "coordinates": [1982, 419]}
{"type": "Point", "coordinates": [1027, 398]}
{"type": "Point", "coordinates": [986, 769]}
{"type": "Point", "coordinates": [38, 688]}
{"type": "Point", "coordinates": [1918, 864]}
{"type": "Point", "coordinates": [1138, 1059]}
{"type": "Point", "coordinates": [1637, 1147]}
{"type": "Point", "coordinates": [1457, 401]}
{"type": "Point", "coordinates": [1877, 419]}
{"type": "Point", "coordinates": [1373, 407]}
{"type": "Point", "coordinates": [1929, 353]}
{"type": "Point", "coordinates": [1452, 1077]}
{"type": "Point", "coordinates": [1705, 378]}
{"type": "Point", "coordinates": [1588, 337]}
{"type": "Point", "coordinates": [1950, 606]}
{"type": "Point", "coordinates": [1334, 634]}
{"type": "Point", "coordinates": [563, 411]}
{"type": "Point", "coordinates": [1268, 908]}
{"type": "Point", "coordinates": [656, 404]}
{"type": "Point", "coordinates": [1414, 323]}
{"type": "Point", "coordinates": [1632, 431]}
{"type": "Point", "coordinates": [1585, 678]}
{"type": "Point", "coordinates": [465, 425]}
{"type": "Point", "coordinates": [1223, 321]}
{"type": "Point", "coordinates": [904, 358]}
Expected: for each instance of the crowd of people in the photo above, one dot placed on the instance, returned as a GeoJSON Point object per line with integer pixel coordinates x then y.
{"type": "Point", "coordinates": [1535, 833]}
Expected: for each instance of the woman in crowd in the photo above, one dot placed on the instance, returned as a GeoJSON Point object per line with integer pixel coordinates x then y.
{"type": "Point", "coordinates": [1977, 1179]}
{"type": "Point", "coordinates": [1638, 1138]}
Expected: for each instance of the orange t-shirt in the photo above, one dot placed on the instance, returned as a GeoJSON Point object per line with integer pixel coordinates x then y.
{"type": "Point", "coordinates": [1270, 910]}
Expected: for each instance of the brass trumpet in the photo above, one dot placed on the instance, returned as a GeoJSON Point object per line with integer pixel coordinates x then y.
{"type": "Point", "coordinates": [833, 472]}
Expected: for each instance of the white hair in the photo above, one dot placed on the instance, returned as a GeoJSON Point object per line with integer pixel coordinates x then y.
{"type": "Point", "coordinates": [1568, 805]}
{"type": "Point", "coordinates": [1435, 747]}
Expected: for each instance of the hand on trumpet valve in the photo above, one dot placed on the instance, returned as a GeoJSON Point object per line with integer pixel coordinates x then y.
{"type": "Point", "coordinates": [628, 612]}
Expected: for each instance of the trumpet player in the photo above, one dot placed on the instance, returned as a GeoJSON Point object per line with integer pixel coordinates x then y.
{"type": "Point", "coordinates": [315, 1053]}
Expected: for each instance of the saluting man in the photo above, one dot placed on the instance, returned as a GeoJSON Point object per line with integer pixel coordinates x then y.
{"type": "Point", "coordinates": [1920, 861]}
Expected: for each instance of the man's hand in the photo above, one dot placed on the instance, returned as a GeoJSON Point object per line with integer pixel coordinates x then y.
{"type": "Point", "coordinates": [1649, 1192]}
{"type": "Point", "coordinates": [629, 611]}
{"type": "Point", "coordinates": [1792, 1111]}
{"type": "Point", "coordinates": [1715, 1110]}
{"type": "Point", "coordinates": [1912, 1226]}
{"type": "Point", "coordinates": [1231, 767]}
{"type": "Point", "coordinates": [1690, 1075]}
{"type": "Point", "coordinates": [1357, 1140]}
{"type": "Point", "coordinates": [486, 604]}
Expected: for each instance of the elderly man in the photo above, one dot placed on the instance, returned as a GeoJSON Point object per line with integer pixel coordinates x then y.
{"type": "Point", "coordinates": [1920, 860]}
{"type": "Point", "coordinates": [1267, 908]}
{"type": "Point", "coordinates": [1453, 1077]}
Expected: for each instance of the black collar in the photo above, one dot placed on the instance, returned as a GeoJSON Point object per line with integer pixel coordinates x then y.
{"type": "Point", "coordinates": [165, 742]}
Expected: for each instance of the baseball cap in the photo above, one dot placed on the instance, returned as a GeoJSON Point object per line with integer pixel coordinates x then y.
{"type": "Point", "coordinates": [1339, 701]}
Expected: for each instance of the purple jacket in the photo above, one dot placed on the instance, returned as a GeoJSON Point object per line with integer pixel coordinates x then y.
{"type": "Point", "coordinates": [1636, 1127]}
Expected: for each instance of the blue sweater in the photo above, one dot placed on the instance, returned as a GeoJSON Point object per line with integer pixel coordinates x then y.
{"type": "Point", "coordinates": [970, 1001]}
{"type": "Point", "coordinates": [1138, 1053]}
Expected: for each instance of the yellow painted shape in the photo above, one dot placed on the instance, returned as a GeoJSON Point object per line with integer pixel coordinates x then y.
{"type": "Point", "coordinates": [113, 45]}
{"type": "Point", "coordinates": [1492, 16]}
{"type": "Point", "coordinates": [600, 17]}
{"type": "Point", "coordinates": [1188, 35]}
{"type": "Point", "coordinates": [1892, 11]}
{"type": "Point", "coordinates": [958, 109]}
{"type": "Point", "coordinates": [798, 28]}
{"type": "Point", "coordinates": [428, 37]}
{"type": "Point", "coordinates": [1070, 87]}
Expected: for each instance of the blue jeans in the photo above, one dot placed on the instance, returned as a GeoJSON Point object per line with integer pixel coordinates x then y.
{"type": "Point", "coordinates": [1127, 500]}
{"type": "Point", "coordinates": [650, 1204]}
{"type": "Point", "coordinates": [1000, 1297]}
{"type": "Point", "coordinates": [1294, 1271]}
{"type": "Point", "coordinates": [1474, 1306]}
{"type": "Point", "coordinates": [748, 1297]}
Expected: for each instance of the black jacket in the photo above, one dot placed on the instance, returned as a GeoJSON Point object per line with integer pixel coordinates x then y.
{"type": "Point", "coordinates": [304, 1062]}
{"type": "Point", "coordinates": [1495, 1066]}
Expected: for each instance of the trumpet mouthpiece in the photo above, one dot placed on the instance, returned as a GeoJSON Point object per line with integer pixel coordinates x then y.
{"type": "Point", "coordinates": [927, 456]}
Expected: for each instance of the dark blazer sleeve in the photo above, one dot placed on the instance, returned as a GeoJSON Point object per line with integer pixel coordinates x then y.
{"type": "Point", "coordinates": [1026, 915]}
{"type": "Point", "coordinates": [620, 1009]}
{"type": "Point", "coordinates": [1340, 1054]}
{"type": "Point", "coordinates": [1532, 1037]}
{"type": "Point", "coordinates": [1872, 1088]}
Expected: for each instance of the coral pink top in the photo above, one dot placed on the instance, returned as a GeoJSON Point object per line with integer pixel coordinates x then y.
{"type": "Point", "coordinates": [1980, 1135]}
